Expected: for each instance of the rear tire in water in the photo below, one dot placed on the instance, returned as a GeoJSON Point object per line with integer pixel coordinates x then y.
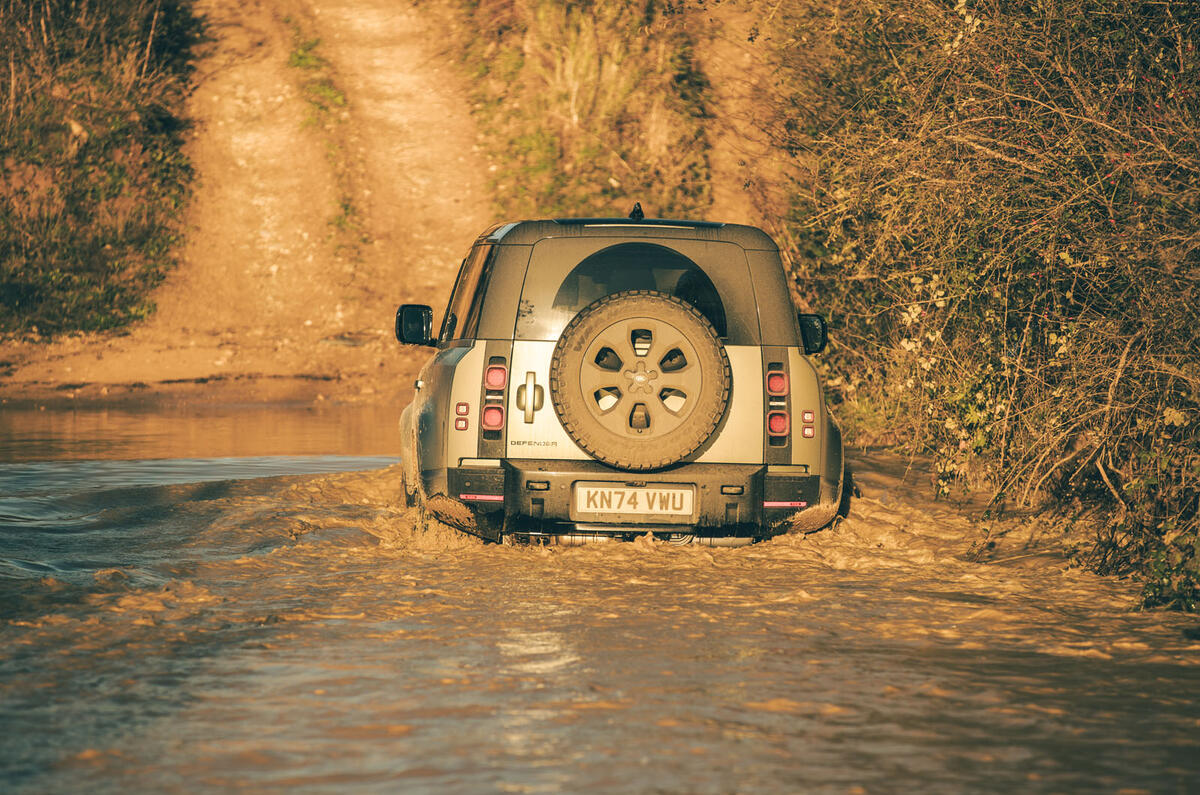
{"type": "Point", "coordinates": [640, 380]}
{"type": "Point", "coordinates": [410, 496]}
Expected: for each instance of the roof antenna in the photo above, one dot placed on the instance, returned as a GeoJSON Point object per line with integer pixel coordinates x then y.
{"type": "Point", "coordinates": [636, 213]}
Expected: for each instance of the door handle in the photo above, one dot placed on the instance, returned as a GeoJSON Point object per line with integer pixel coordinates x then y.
{"type": "Point", "coordinates": [524, 403]}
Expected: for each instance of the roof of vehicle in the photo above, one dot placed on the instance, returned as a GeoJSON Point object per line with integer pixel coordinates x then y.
{"type": "Point", "coordinates": [529, 232]}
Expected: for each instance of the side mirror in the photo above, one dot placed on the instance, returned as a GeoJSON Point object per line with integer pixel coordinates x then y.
{"type": "Point", "coordinates": [813, 332]}
{"type": "Point", "coordinates": [414, 324]}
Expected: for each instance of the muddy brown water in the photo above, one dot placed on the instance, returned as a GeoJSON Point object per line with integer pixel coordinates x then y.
{"type": "Point", "coordinates": [203, 600]}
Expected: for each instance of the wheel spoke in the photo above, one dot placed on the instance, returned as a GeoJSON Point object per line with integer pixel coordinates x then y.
{"type": "Point", "coordinates": [617, 337]}
{"type": "Point", "coordinates": [667, 338]}
{"type": "Point", "coordinates": [616, 419]}
{"type": "Point", "coordinates": [673, 400]}
{"type": "Point", "coordinates": [592, 377]}
{"type": "Point", "coordinates": [662, 419]}
{"type": "Point", "coordinates": [687, 380]}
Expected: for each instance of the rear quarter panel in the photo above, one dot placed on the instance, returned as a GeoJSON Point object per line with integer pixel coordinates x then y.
{"type": "Point", "coordinates": [431, 414]}
{"type": "Point", "coordinates": [739, 437]}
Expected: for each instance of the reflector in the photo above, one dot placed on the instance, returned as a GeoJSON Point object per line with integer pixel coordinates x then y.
{"type": "Point", "coordinates": [482, 497]}
{"type": "Point", "coordinates": [784, 504]}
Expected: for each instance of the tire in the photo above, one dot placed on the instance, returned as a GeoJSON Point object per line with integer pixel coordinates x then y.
{"type": "Point", "coordinates": [849, 490]}
{"type": "Point", "coordinates": [410, 495]}
{"type": "Point", "coordinates": [640, 380]}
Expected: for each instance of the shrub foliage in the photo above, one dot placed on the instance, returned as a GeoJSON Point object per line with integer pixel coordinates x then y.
{"type": "Point", "coordinates": [585, 106]}
{"type": "Point", "coordinates": [92, 173]}
{"type": "Point", "coordinates": [998, 208]}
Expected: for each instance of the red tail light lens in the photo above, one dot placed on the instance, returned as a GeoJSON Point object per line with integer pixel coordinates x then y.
{"type": "Point", "coordinates": [777, 383]}
{"type": "Point", "coordinates": [495, 377]}
{"type": "Point", "coordinates": [493, 418]}
{"type": "Point", "coordinates": [778, 423]}
{"type": "Point", "coordinates": [779, 418]}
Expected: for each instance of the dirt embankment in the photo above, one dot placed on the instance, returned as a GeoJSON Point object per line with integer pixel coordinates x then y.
{"type": "Point", "coordinates": [308, 227]}
{"type": "Point", "coordinates": [749, 172]}
{"type": "Point", "coordinates": [276, 296]}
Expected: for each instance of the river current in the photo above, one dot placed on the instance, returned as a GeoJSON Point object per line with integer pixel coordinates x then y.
{"type": "Point", "coordinates": [200, 601]}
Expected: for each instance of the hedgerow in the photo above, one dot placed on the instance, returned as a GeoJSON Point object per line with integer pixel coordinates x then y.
{"type": "Point", "coordinates": [92, 174]}
{"type": "Point", "coordinates": [998, 210]}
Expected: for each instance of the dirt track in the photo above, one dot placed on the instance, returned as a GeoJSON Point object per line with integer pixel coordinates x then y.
{"type": "Point", "coordinates": [269, 301]}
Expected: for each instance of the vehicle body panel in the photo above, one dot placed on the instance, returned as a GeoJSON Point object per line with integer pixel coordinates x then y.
{"type": "Point", "coordinates": [519, 287]}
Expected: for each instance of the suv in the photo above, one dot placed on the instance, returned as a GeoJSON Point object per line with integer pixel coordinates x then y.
{"type": "Point", "coordinates": [599, 379]}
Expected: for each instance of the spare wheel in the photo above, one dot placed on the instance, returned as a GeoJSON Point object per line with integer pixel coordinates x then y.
{"type": "Point", "coordinates": [639, 379]}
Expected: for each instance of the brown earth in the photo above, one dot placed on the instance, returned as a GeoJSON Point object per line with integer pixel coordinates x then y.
{"type": "Point", "coordinates": [272, 300]}
{"type": "Point", "coordinates": [749, 172]}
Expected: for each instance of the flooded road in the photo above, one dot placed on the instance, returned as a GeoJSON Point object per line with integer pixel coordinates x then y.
{"type": "Point", "coordinates": [261, 613]}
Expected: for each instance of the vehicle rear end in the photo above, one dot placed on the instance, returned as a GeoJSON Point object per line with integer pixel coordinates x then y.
{"type": "Point", "coordinates": [625, 378]}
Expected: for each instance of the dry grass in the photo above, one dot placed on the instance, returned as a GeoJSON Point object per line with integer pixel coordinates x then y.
{"type": "Point", "coordinates": [90, 144]}
{"type": "Point", "coordinates": [585, 107]}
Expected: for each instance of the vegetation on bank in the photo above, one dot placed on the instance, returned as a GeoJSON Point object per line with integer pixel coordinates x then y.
{"type": "Point", "coordinates": [92, 177]}
{"type": "Point", "coordinates": [585, 106]}
{"type": "Point", "coordinates": [994, 202]}
{"type": "Point", "coordinates": [998, 210]}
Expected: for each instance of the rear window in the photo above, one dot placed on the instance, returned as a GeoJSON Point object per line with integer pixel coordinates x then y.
{"type": "Point", "coordinates": [565, 275]}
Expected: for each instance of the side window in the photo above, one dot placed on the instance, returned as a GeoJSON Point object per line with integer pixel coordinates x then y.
{"type": "Point", "coordinates": [462, 313]}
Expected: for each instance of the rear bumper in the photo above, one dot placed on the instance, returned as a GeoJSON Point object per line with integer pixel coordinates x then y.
{"type": "Point", "coordinates": [537, 496]}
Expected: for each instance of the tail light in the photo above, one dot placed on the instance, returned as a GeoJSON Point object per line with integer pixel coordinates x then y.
{"type": "Point", "coordinates": [495, 377]}
{"type": "Point", "coordinates": [778, 423]}
{"type": "Point", "coordinates": [491, 415]}
{"type": "Point", "coordinates": [493, 418]}
{"type": "Point", "coordinates": [779, 420]}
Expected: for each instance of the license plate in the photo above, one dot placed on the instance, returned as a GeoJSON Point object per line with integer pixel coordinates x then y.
{"type": "Point", "coordinates": [652, 500]}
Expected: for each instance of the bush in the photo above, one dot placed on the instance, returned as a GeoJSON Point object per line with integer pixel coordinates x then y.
{"type": "Point", "coordinates": [999, 215]}
{"type": "Point", "coordinates": [92, 173]}
{"type": "Point", "coordinates": [585, 107]}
